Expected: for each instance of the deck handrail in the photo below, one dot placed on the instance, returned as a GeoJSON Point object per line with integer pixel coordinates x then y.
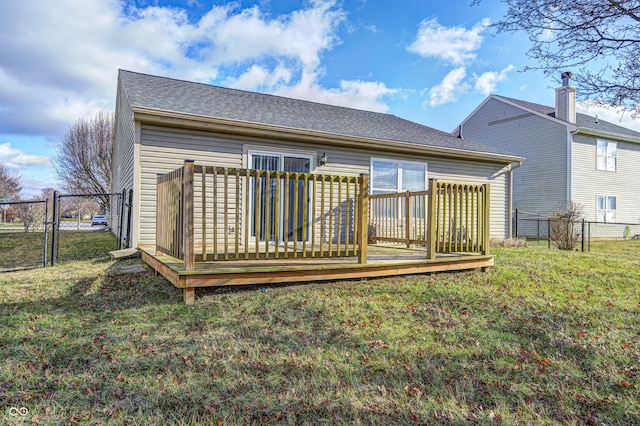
{"type": "Point", "coordinates": [260, 214]}
{"type": "Point", "coordinates": [447, 218]}
{"type": "Point", "coordinates": [219, 213]}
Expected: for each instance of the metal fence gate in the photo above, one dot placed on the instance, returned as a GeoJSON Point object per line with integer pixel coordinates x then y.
{"type": "Point", "coordinates": [23, 235]}
{"type": "Point", "coordinates": [39, 233]}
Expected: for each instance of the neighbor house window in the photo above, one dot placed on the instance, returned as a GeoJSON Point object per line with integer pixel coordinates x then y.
{"type": "Point", "coordinates": [389, 176]}
{"type": "Point", "coordinates": [607, 155]}
{"type": "Point", "coordinates": [605, 208]}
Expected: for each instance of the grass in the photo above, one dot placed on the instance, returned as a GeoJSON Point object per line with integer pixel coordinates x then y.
{"type": "Point", "coordinates": [545, 337]}
{"type": "Point", "coordinates": [21, 250]}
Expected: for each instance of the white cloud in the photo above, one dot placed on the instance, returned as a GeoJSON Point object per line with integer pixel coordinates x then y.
{"type": "Point", "coordinates": [66, 65]}
{"type": "Point", "coordinates": [487, 82]}
{"type": "Point", "coordinates": [260, 77]}
{"type": "Point", "coordinates": [450, 88]}
{"type": "Point", "coordinates": [456, 45]}
{"type": "Point", "coordinates": [614, 115]}
{"type": "Point", "coordinates": [352, 93]}
{"type": "Point", "coordinates": [18, 159]}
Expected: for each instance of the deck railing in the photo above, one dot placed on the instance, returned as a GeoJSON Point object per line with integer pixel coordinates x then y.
{"type": "Point", "coordinates": [454, 216]}
{"type": "Point", "coordinates": [242, 214]}
{"type": "Point", "coordinates": [207, 213]}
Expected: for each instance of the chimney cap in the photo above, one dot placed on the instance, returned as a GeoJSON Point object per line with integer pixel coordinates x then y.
{"type": "Point", "coordinates": [566, 77]}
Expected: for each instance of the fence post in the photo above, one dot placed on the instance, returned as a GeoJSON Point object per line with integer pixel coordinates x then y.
{"type": "Point", "coordinates": [516, 224]}
{"type": "Point", "coordinates": [549, 233]}
{"type": "Point", "coordinates": [54, 231]}
{"type": "Point", "coordinates": [121, 224]}
{"type": "Point", "coordinates": [432, 219]}
{"type": "Point", "coordinates": [363, 225]}
{"type": "Point", "coordinates": [583, 235]}
{"type": "Point", "coordinates": [129, 216]}
{"type": "Point", "coordinates": [44, 237]}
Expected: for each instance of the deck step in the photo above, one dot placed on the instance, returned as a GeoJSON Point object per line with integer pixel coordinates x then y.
{"type": "Point", "coordinates": [124, 253]}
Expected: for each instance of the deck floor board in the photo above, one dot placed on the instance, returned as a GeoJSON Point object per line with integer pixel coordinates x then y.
{"type": "Point", "coordinates": [382, 261]}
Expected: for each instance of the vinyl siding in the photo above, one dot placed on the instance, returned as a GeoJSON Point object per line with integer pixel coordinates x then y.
{"type": "Point", "coordinates": [164, 149]}
{"type": "Point", "coordinates": [122, 165]}
{"type": "Point", "coordinates": [623, 183]}
{"type": "Point", "coordinates": [541, 183]}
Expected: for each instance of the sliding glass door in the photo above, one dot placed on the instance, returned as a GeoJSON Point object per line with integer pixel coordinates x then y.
{"type": "Point", "coordinates": [297, 226]}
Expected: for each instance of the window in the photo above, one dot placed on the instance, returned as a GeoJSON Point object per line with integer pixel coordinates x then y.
{"type": "Point", "coordinates": [389, 176]}
{"type": "Point", "coordinates": [605, 208]}
{"type": "Point", "coordinates": [607, 155]}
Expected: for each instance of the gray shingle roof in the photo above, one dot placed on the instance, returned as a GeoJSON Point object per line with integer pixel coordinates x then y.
{"type": "Point", "coordinates": [582, 120]}
{"type": "Point", "coordinates": [212, 101]}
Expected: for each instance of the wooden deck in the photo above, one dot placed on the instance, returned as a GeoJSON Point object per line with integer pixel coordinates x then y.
{"type": "Point", "coordinates": [323, 225]}
{"type": "Point", "coordinates": [382, 261]}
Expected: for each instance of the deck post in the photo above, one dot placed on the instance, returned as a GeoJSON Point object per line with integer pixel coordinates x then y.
{"type": "Point", "coordinates": [187, 209]}
{"type": "Point", "coordinates": [363, 217]}
{"type": "Point", "coordinates": [486, 220]}
{"type": "Point", "coordinates": [189, 295]}
{"type": "Point", "coordinates": [407, 218]}
{"type": "Point", "coordinates": [159, 206]}
{"type": "Point", "coordinates": [432, 219]}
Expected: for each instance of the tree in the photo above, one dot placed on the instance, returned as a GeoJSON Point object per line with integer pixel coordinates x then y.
{"type": "Point", "coordinates": [83, 158]}
{"type": "Point", "coordinates": [10, 185]}
{"type": "Point", "coordinates": [31, 214]}
{"type": "Point", "coordinates": [600, 39]}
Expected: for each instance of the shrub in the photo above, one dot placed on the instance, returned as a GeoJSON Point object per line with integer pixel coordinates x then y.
{"type": "Point", "coordinates": [566, 225]}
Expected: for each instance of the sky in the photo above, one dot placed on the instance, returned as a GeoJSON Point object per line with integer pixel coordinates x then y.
{"type": "Point", "coordinates": [431, 62]}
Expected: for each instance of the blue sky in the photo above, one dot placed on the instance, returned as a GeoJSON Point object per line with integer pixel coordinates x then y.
{"type": "Point", "coordinates": [426, 61]}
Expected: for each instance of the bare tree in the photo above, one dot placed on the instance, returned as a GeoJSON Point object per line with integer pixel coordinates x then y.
{"type": "Point", "coordinates": [83, 158]}
{"type": "Point", "coordinates": [31, 215]}
{"type": "Point", "coordinates": [10, 185]}
{"type": "Point", "coordinates": [564, 222]}
{"type": "Point", "coordinates": [600, 39]}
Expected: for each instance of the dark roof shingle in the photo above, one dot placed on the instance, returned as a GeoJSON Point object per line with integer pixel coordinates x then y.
{"type": "Point", "coordinates": [212, 101]}
{"type": "Point", "coordinates": [582, 120]}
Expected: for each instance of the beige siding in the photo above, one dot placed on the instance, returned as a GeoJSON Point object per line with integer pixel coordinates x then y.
{"type": "Point", "coordinates": [164, 149]}
{"type": "Point", "coordinates": [122, 165]}
{"type": "Point", "coordinates": [541, 183]}
{"type": "Point", "coordinates": [623, 183]}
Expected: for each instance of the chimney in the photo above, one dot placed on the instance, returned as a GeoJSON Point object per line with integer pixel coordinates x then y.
{"type": "Point", "coordinates": [566, 100]}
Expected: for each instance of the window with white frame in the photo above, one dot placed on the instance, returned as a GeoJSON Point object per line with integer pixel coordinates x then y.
{"type": "Point", "coordinates": [389, 176]}
{"type": "Point", "coordinates": [607, 155]}
{"type": "Point", "coordinates": [605, 208]}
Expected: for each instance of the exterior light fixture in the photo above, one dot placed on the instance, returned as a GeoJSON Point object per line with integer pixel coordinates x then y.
{"type": "Point", "coordinates": [324, 159]}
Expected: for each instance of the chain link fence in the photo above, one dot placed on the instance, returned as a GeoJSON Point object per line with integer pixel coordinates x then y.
{"type": "Point", "coordinates": [65, 227]}
{"type": "Point", "coordinates": [24, 235]}
{"type": "Point", "coordinates": [597, 237]}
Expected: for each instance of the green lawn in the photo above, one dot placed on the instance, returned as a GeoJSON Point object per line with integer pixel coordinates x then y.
{"type": "Point", "coordinates": [20, 249]}
{"type": "Point", "coordinates": [545, 337]}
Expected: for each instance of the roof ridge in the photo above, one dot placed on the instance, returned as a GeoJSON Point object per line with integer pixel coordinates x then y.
{"type": "Point", "coordinates": [253, 93]}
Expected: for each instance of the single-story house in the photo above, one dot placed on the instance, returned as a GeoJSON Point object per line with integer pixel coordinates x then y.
{"type": "Point", "coordinates": [160, 122]}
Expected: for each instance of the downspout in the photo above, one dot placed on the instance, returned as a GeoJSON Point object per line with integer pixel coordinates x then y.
{"type": "Point", "coordinates": [512, 167]}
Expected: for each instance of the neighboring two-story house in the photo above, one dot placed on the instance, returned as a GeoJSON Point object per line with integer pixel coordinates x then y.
{"type": "Point", "coordinates": [569, 156]}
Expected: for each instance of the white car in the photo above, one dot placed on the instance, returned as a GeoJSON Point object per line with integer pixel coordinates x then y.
{"type": "Point", "coordinates": [98, 220]}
